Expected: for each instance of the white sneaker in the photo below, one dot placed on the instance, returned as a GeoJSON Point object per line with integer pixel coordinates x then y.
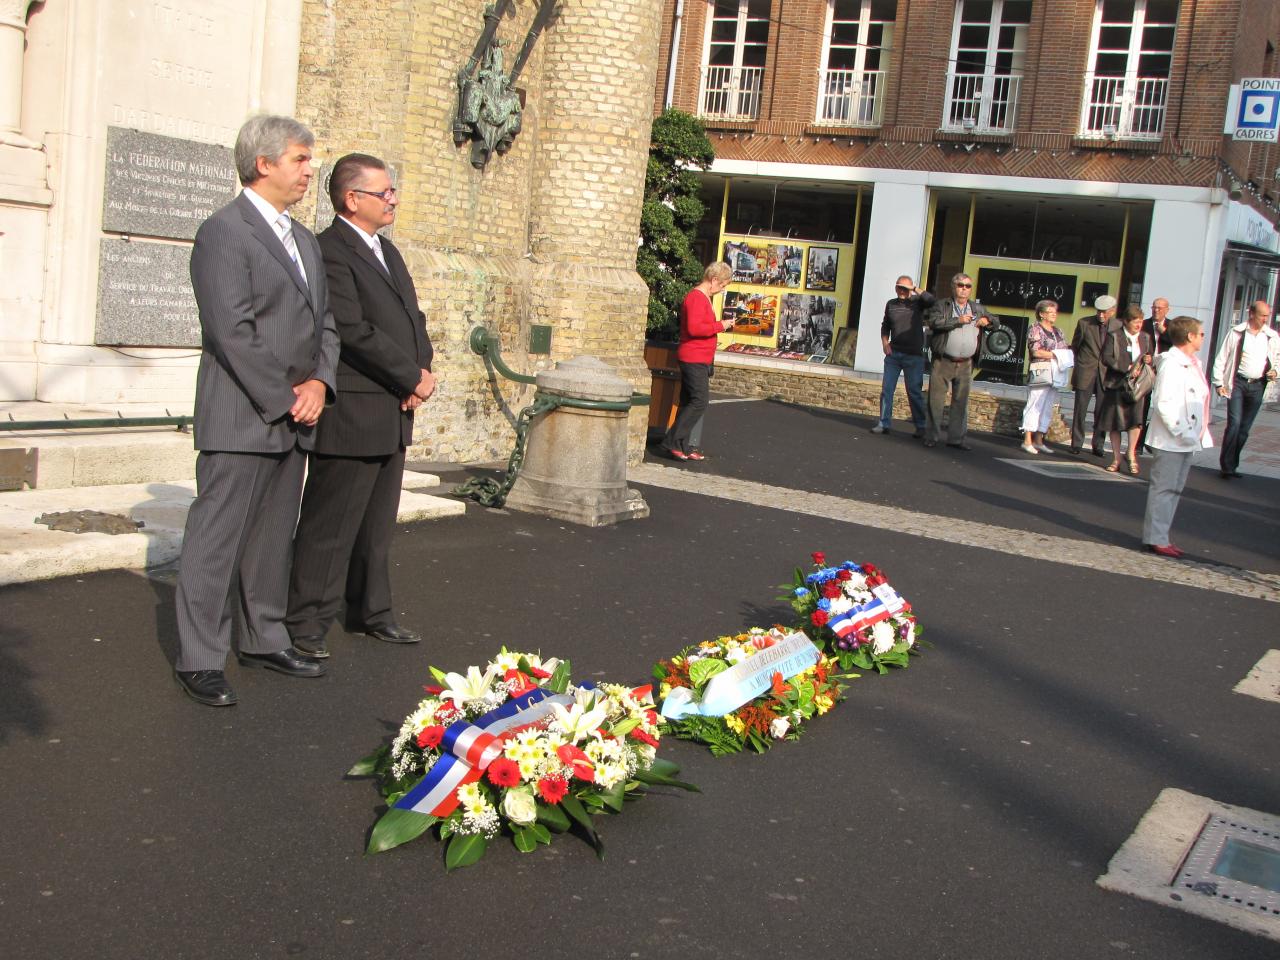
{"type": "Point", "coordinates": [1028, 448]}
{"type": "Point", "coordinates": [1044, 448]}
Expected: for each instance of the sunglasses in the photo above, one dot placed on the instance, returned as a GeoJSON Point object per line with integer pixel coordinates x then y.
{"type": "Point", "coordinates": [963, 286]}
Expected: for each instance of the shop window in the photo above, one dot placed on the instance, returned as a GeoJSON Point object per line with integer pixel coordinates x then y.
{"type": "Point", "coordinates": [855, 55]}
{"type": "Point", "coordinates": [1130, 59]}
{"type": "Point", "coordinates": [1055, 231]}
{"type": "Point", "coordinates": [736, 47]}
{"type": "Point", "coordinates": [988, 49]}
{"type": "Point", "coordinates": [769, 210]}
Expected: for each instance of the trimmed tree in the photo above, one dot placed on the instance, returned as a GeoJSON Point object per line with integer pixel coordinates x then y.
{"type": "Point", "coordinates": [669, 219]}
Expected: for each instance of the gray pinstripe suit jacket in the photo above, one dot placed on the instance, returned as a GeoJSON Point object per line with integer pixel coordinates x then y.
{"type": "Point", "coordinates": [263, 330]}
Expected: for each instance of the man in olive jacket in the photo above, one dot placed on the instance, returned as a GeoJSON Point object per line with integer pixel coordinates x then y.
{"type": "Point", "coordinates": [956, 324]}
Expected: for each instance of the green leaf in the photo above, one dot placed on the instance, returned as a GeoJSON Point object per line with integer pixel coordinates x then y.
{"type": "Point", "coordinates": [573, 806]}
{"type": "Point", "coordinates": [438, 674]}
{"type": "Point", "coordinates": [659, 781]}
{"type": "Point", "coordinates": [662, 767]}
{"type": "Point", "coordinates": [553, 817]}
{"type": "Point", "coordinates": [613, 797]}
{"type": "Point", "coordinates": [368, 766]}
{"type": "Point", "coordinates": [524, 839]}
{"type": "Point", "coordinates": [623, 727]}
{"type": "Point", "coordinates": [540, 833]}
{"type": "Point", "coordinates": [558, 682]}
{"type": "Point", "coordinates": [396, 827]}
{"type": "Point", "coordinates": [700, 671]}
{"type": "Point", "coordinates": [464, 850]}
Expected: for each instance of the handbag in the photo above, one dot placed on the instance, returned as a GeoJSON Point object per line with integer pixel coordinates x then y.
{"type": "Point", "coordinates": [1137, 385]}
{"type": "Point", "coordinates": [1040, 373]}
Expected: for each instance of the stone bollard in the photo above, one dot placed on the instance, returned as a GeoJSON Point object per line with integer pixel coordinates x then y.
{"type": "Point", "coordinates": [575, 462]}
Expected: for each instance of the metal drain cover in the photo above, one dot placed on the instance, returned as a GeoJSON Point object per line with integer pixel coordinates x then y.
{"type": "Point", "coordinates": [1067, 471]}
{"type": "Point", "coordinates": [1237, 862]}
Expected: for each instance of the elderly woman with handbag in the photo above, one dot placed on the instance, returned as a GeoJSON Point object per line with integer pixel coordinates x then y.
{"type": "Point", "coordinates": [1042, 340]}
{"type": "Point", "coordinates": [1179, 427]}
{"type": "Point", "coordinates": [1127, 378]}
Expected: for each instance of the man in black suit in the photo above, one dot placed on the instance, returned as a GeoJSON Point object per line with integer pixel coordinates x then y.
{"type": "Point", "coordinates": [1086, 377]}
{"type": "Point", "coordinates": [342, 546]}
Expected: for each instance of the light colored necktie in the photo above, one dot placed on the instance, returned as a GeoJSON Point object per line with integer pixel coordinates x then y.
{"type": "Point", "coordinates": [377, 252]}
{"type": "Point", "coordinates": [290, 244]}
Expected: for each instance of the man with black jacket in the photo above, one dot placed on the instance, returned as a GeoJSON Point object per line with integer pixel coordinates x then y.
{"type": "Point", "coordinates": [902, 337]}
{"type": "Point", "coordinates": [957, 324]}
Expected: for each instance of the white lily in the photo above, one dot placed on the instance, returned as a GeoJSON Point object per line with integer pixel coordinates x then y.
{"type": "Point", "coordinates": [578, 722]}
{"type": "Point", "coordinates": [473, 686]}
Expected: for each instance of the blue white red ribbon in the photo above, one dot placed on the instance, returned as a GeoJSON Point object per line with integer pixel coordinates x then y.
{"type": "Point", "coordinates": [884, 603]}
{"type": "Point", "coordinates": [467, 748]}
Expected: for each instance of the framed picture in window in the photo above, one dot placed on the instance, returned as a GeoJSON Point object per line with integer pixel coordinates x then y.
{"type": "Point", "coordinates": [823, 262]}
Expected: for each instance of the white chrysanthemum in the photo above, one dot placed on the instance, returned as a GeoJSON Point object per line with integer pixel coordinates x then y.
{"type": "Point", "coordinates": [882, 637]}
{"type": "Point", "coordinates": [610, 774]}
{"type": "Point", "coordinates": [856, 581]}
{"type": "Point", "coordinates": [482, 820]}
{"type": "Point", "coordinates": [840, 605]}
{"type": "Point", "coordinates": [506, 660]}
{"type": "Point", "coordinates": [472, 797]}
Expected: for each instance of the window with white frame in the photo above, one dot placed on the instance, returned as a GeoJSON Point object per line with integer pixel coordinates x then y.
{"type": "Point", "coordinates": [988, 49]}
{"type": "Point", "coordinates": [1130, 57]}
{"type": "Point", "coordinates": [734, 58]}
{"type": "Point", "coordinates": [855, 54]}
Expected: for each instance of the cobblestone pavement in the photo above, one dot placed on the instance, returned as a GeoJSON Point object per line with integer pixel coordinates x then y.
{"type": "Point", "coordinates": [1039, 546]}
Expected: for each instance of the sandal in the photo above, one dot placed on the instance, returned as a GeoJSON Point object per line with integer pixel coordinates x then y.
{"type": "Point", "coordinates": [1113, 467]}
{"type": "Point", "coordinates": [697, 455]}
{"type": "Point", "coordinates": [1133, 469]}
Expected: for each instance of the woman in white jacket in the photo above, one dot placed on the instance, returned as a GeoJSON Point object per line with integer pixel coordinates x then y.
{"type": "Point", "coordinates": [1179, 427]}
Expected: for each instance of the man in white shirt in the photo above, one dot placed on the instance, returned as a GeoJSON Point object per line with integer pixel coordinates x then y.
{"type": "Point", "coordinates": [1247, 362]}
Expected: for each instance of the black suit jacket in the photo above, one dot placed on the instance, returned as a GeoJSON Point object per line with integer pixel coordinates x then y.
{"type": "Point", "coordinates": [1087, 343]}
{"type": "Point", "coordinates": [1116, 359]}
{"type": "Point", "coordinates": [385, 346]}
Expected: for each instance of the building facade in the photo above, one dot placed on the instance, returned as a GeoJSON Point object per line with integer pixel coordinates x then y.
{"type": "Point", "coordinates": [1051, 150]}
{"type": "Point", "coordinates": [116, 119]}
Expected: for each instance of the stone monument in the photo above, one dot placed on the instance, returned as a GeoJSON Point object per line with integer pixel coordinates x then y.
{"type": "Point", "coordinates": [575, 465]}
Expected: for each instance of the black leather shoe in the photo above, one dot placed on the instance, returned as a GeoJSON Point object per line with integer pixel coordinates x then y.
{"type": "Point", "coordinates": [918, 435]}
{"type": "Point", "coordinates": [931, 443]}
{"type": "Point", "coordinates": [960, 446]}
{"type": "Point", "coordinates": [1099, 453]}
{"type": "Point", "coordinates": [209, 687]}
{"type": "Point", "coordinates": [287, 661]}
{"type": "Point", "coordinates": [392, 633]}
{"type": "Point", "coordinates": [313, 647]}
{"type": "Point", "coordinates": [1075, 451]}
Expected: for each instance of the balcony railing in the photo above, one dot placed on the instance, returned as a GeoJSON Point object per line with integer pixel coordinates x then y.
{"type": "Point", "coordinates": [980, 103]}
{"type": "Point", "coordinates": [731, 93]}
{"type": "Point", "coordinates": [1124, 107]}
{"type": "Point", "coordinates": [851, 98]}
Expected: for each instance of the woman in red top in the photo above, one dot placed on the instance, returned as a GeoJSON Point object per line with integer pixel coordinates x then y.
{"type": "Point", "coordinates": [696, 353]}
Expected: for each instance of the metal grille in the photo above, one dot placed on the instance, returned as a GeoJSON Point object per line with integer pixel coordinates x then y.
{"type": "Point", "coordinates": [1234, 862]}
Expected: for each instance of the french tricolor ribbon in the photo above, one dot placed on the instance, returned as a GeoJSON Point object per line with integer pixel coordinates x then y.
{"type": "Point", "coordinates": [885, 603]}
{"type": "Point", "coordinates": [468, 748]}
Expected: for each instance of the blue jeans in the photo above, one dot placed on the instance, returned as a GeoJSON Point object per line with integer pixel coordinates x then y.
{"type": "Point", "coordinates": [912, 368]}
{"type": "Point", "coordinates": [1242, 406]}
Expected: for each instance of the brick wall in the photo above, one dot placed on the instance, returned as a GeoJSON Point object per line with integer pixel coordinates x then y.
{"type": "Point", "coordinates": [987, 413]}
{"type": "Point", "coordinates": [543, 235]}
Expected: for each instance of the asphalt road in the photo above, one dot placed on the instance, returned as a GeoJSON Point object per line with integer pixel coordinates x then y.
{"type": "Point", "coordinates": [960, 809]}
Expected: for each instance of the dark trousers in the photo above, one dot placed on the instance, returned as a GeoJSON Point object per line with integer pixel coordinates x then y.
{"type": "Point", "coordinates": [911, 366]}
{"type": "Point", "coordinates": [236, 544]}
{"type": "Point", "coordinates": [944, 374]}
{"type": "Point", "coordinates": [342, 550]}
{"type": "Point", "coordinates": [1081, 411]}
{"type": "Point", "coordinates": [695, 393]}
{"type": "Point", "coordinates": [1242, 406]}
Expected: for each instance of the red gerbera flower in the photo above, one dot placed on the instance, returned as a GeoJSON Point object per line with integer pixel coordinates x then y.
{"type": "Point", "coordinates": [819, 618]}
{"type": "Point", "coordinates": [430, 737]}
{"type": "Point", "coordinates": [552, 789]}
{"type": "Point", "coordinates": [819, 558]}
{"type": "Point", "coordinates": [503, 772]}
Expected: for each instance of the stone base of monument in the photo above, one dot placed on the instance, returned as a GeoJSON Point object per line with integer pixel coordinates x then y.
{"type": "Point", "coordinates": [575, 463]}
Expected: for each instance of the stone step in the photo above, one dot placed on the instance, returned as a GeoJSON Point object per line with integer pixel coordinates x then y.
{"type": "Point", "coordinates": [31, 551]}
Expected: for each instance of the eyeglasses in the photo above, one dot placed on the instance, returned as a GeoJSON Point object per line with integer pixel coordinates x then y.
{"type": "Point", "coordinates": [386, 196]}
{"type": "Point", "coordinates": [963, 286]}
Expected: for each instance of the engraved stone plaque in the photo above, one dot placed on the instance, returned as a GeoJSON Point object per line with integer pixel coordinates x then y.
{"type": "Point", "coordinates": [145, 296]}
{"type": "Point", "coordinates": [162, 186]}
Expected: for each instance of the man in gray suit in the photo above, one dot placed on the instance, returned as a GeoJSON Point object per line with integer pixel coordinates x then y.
{"type": "Point", "coordinates": [268, 368]}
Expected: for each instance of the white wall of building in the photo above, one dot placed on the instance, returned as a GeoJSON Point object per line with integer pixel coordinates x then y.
{"type": "Point", "coordinates": [895, 245]}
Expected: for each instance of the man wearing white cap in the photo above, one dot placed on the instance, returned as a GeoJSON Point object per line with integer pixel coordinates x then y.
{"type": "Point", "coordinates": [1086, 377]}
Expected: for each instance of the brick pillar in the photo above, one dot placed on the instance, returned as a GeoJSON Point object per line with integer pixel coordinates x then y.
{"type": "Point", "coordinates": [588, 184]}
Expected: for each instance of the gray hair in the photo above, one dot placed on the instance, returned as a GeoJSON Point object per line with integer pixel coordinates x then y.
{"type": "Point", "coordinates": [1044, 305]}
{"type": "Point", "coordinates": [267, 136]}
{"type": "Point", "coordinates": [960, 276]}
{"type": "Point", "coordinates": [348, 172]}
{"type": "Point", "coordinates": [717, 271]}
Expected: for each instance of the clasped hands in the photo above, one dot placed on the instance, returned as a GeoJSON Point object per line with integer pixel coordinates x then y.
{"type": "Point", "coordinates": [426, 386]}
{"type": "Point", "coordinates": [309, 404]}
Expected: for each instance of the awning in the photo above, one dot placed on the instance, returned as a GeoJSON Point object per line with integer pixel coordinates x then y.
{"type": "Point", "coordinates": [1248, 253]}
